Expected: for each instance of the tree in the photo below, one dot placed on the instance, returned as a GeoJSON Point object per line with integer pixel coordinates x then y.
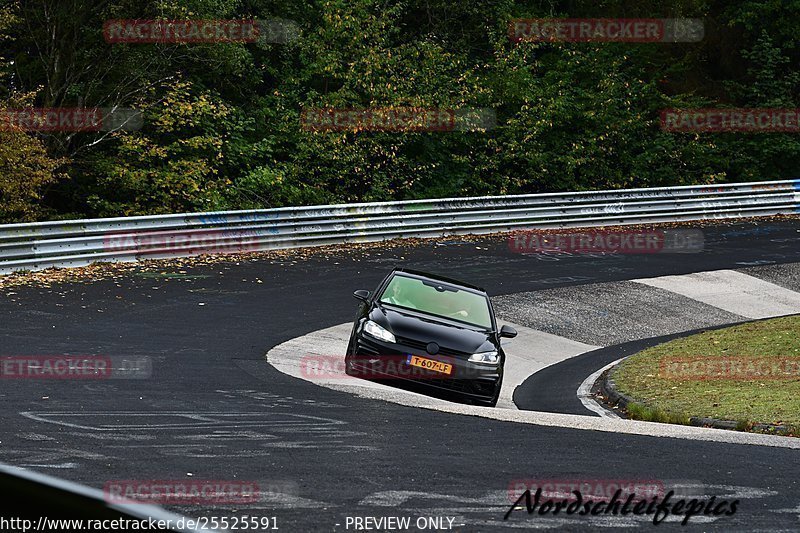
{"type": "Point", "coordinates": [25, 167]}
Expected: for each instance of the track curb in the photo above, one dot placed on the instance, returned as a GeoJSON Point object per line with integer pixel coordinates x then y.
{"type": "Point", "coordinates": [611, 398]}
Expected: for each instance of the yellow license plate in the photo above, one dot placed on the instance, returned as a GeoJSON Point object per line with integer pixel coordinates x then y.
{"type": "Point", "coordinates": [430, 364]}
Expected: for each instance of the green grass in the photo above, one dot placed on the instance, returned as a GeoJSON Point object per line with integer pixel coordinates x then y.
{"type": "Point", "coordinates": [642, 412]}
{"type": "Point", "coordinates": [746, 399]}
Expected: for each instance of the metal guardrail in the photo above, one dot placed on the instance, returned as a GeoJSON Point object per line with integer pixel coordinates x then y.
{"type": "Point", "coordinates": [41, 245]}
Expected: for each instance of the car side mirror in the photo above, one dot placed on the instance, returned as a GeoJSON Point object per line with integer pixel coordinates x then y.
{"type": "Point", "coordinates": [508, 332]}
{"type": "Point", "coordinates": [362, 295]}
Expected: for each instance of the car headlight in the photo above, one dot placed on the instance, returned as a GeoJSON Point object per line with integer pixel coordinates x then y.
{"type": "Point", "coordinates": [486, 358]}
{"type": "Point", "coordinates": [374, 330]}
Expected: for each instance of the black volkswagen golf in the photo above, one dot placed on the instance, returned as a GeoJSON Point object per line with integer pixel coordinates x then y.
{"type": "Point", "coordinates": [431, 330]}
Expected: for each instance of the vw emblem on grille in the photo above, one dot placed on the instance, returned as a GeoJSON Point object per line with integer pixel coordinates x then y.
{"type": "Point", "coordinates": [432, 348]}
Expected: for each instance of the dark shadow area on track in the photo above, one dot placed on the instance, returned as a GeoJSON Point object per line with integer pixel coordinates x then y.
{"type": "Point", "coordinates": [554, 389]}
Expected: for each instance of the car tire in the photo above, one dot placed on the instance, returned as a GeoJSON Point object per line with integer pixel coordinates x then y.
{"type": "Point", "coordinates": [348, 366]}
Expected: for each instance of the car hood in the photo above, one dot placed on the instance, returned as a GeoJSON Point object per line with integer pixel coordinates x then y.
{"type": "Point", "coordinates": [425, 328]}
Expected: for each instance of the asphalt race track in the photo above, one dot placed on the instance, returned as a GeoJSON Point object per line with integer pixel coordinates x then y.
{"type": "Point", "coordinates": [214, 409]}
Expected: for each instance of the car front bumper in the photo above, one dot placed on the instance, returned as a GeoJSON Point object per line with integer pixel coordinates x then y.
{"type": "Point", "coordinates": [478, 381]}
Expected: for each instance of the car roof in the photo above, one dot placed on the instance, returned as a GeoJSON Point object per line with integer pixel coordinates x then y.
{"type": "Point", "coordinates": [436, 277]}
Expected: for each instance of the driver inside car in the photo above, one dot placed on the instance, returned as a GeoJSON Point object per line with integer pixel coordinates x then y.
{"type": "Point", "coordinates": [398, 297]}
{"type": "Point", "coordinates": [460, 308]}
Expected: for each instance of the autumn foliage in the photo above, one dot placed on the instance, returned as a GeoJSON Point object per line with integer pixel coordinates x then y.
{"type": "Point", "coordinates": [223, 123]}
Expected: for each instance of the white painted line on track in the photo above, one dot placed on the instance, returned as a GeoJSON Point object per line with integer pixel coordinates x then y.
{"type": "Point", "coordinates": [732, 291]}
{"type": "Point", "coordinates": [585, 393]}
{"type": "Point", "coordinates": [57, 466]}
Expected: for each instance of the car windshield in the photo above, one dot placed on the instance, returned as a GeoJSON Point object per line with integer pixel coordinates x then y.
{"type": "Point", "coordinates": [438, 299]}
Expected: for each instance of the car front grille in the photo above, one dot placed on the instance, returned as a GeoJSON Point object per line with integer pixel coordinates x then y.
{"type": "Point", "coordinates": [423, 347]}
